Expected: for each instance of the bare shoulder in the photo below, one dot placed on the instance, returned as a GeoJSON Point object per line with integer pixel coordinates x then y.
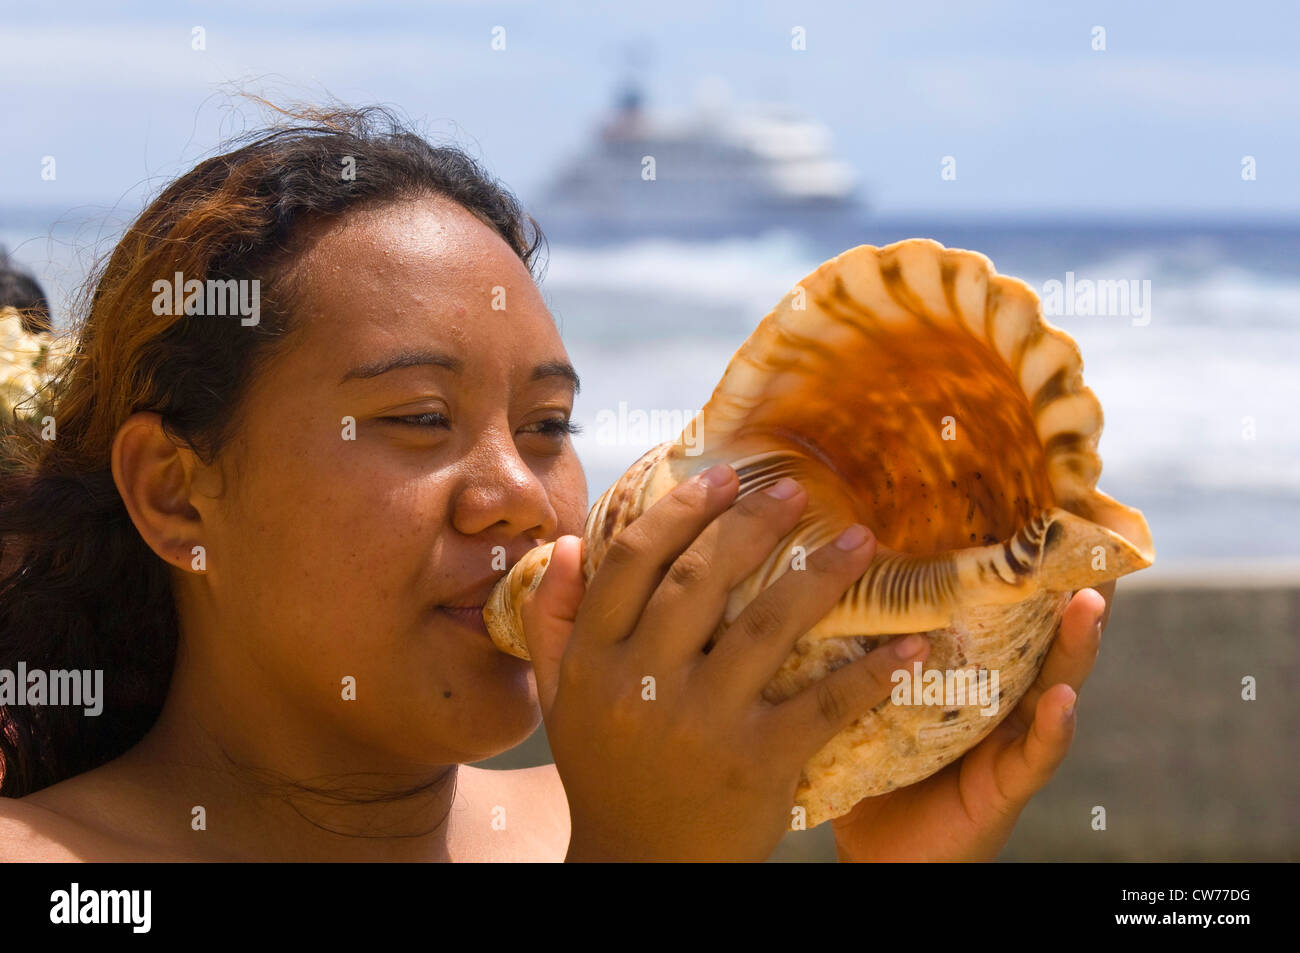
{"type": "Point", "coordinates": [31, 833]}
{"type": "Point", "coordinates": [73, 820]}
{"type": "Point", "coordinates": [540, 788]}
{"type": "Point", "coordinates": [542, 782]}
{"type": "Point", "coordinates": [529, 803]}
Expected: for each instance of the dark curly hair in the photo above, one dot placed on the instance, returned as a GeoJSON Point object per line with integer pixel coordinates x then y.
{"type": "Point", "coordinates": [79, 589]}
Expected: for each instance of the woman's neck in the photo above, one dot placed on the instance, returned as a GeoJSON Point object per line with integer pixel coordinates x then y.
{"type": "Point", "coordinates": [254, 777]}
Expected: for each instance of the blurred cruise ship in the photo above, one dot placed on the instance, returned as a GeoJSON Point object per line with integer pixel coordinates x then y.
{"type": "Point", "coordinates": [718, 171]}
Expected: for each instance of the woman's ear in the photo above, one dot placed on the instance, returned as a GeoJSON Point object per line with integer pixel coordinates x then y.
{"type": "Point", "coordinates": [155, 479]}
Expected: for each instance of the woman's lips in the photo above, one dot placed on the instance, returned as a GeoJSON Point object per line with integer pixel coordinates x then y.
{"type": "Point", "coordinates": [471, 617]}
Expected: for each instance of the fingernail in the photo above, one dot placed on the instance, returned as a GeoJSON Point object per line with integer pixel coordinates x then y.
{"type": "Point", "coordinates": [852, 538]}
{"type": "Point", "coordinates": [717, 475]}
{"type": "Point", "coordinates": [783, 489]}
{"type": "Point", "coordinates": [1067, 711]}
{"type": "Point", "coordinates": [909, 646]}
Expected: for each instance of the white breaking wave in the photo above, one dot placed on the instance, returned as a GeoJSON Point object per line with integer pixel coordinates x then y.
{"type": "Point", "coordinates": [748, 273]}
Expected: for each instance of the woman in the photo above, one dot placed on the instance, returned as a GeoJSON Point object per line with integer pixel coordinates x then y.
{"type": "Point", "coordinates": [274, 510]}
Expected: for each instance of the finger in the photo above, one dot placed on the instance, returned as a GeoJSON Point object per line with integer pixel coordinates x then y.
{"type": "Point", "coordinates": [1026, 765]}
{"type": "Point", "coordinates": [549, 612]}
{"type": "Point", "coordinates": [685, 610]}
{"type": "Point", "coordinates": [639, 555]}
{"type": "Point", "coordinates": [1072, 654]}
{"type": "Point", "coordinates": [822, 710]}
{"type": "Point", "coordinates": [751, 649]}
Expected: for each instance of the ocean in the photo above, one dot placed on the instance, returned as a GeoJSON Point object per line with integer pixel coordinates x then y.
{"type": "Point", "coordinates": [1197, 375]}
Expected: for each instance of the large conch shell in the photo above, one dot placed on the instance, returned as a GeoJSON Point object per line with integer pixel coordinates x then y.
{"type": "Point", "coordinates": [913, 389]}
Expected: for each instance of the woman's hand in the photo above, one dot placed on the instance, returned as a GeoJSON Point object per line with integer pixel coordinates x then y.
{"type": "Point", "coordinates": [967, 810]}
{"type": "Point", "coordinates": [668, 753]}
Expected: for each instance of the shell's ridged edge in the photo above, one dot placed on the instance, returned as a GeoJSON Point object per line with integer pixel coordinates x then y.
{"type": "Point", "coordinates": [502, 611]}
{"type": "Point", "coordinates": [920, 278]}
{"type": "Point", "coordinates": [618, 506]}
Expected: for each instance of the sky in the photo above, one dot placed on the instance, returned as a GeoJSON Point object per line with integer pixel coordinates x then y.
{"type": "Point", "coordinates": [1039, 123]}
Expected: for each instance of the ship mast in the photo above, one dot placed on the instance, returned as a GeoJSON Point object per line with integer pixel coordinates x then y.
{"type": "Point", "coordinates": [629, 101]}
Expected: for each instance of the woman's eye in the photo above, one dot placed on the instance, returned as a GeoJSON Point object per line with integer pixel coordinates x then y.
{"type": "Point", "coordinates": [422, 420]}
{"type": "Point", "coordinates": [556, 427]}
{"type": "Point", "coordinates": [551, 427]}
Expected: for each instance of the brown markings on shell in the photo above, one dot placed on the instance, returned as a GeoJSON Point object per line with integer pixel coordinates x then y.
{"type": "Point", "coordinates": [1054, 387]}
{"type": "Point", "coordinates": [618, 507]}
{"type": "Point", "coordinates": [930, 580]}
{"type": "Point", "coordinates": [612, 514]}
{"type": "Point", "coordinates": [947, 274]}
{"type": "Point", "coordinates": [891, 451]}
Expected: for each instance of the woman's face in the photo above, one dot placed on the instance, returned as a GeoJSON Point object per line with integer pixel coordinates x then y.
{"type": "Point", "coordinates": [407, 444]}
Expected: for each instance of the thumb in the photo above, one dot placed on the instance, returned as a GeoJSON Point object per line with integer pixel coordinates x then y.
{"type": "Point", "coordinates": [548, 612]}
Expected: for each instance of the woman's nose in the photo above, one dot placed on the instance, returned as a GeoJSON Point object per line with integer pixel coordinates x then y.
{"type": "Point", "coordinates": [499, 489]}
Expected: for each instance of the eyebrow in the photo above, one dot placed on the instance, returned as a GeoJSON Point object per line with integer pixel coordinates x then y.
{"type": "Point", "coordinates": [404, 359]}
{"type": "Point", "coordinates": [557, 369]}
{"type": "Point", "coordinates": [454, 364]}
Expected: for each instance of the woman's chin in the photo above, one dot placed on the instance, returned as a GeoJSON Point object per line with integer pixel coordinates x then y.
{"type": "Point", "coordinates": [508, 713]}
{"type": "Point", "coordinates": [491, 740]}
{"type": "Point", "coordinates": [466, 686]}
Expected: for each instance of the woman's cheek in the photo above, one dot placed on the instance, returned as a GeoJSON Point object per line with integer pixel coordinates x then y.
{"type": "Point", "coordinates": [570, 497]}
